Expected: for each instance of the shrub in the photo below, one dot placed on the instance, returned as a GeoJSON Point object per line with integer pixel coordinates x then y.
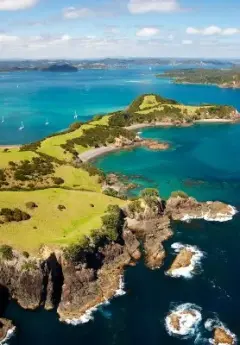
{"type": "Point", "coordinates": [74, 126]}
{"type": "Point", "coordinates": [6, 252]}
{"type": "Point", "coordinates": [76, 252]}
{"type": "Point", "coordinates": [14, 215]}
{"type": "Point", "coordinates": [111, 192]}
{"type": "Point", "coordinates": [61, 207]}
{"type": "Point", "coordinates": [135, 206]}
{"type": "Point", "coordinates": [31, 205]}
{"type": "Point", "coordinates": [29, 265]}
{"type": "Point", "coordinates": [58, 180]}
{"type": "Point", "coordinates": [180, 194]}
{"type": "Point", "coordinates": [2, 175]}
{"type": "Point", "coordinates": [26, 254]}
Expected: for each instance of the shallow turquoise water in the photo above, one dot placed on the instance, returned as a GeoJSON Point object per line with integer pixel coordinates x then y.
{"type": "Point", "coordinates": [35, 97]}
{"type": "Point", "coordinates": [203, 161]}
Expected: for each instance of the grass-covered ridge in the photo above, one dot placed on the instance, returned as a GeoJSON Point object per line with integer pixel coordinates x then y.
{"type": "Point", "coordinates": [68, 193]}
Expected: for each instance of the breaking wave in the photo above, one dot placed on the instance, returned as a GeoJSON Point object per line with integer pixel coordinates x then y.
{"type": "Point", "coordinates": [10, 334]}
{"type": "Point", "coordinates": [189, 317]}
{"type": "Point", "coordinates": [188, 271]}
{"type": "Point", "coordinates": [220, 217]}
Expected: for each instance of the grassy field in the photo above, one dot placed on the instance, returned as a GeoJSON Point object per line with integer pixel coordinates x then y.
{"type": "Point", "coordinates": [14, 155]}
{"type": "Point", "coordinates": [149, 101]}
{"type": "Point", "coordinates": [77, 178]}
{"type": "Point", "coordinates": [52, 146]}
{"type": "Point", "coordinates": [48, 225]}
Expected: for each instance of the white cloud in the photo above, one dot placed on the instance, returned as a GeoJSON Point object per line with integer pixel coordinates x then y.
{"type": "Point", "coordinates": [74, 13]}
{"type": "Point", "coordinates": [212, 30]}
{"type": "Point", "coordinates": [147, 32]}
{"type": "Point", "coordinates": [144, 6]}
{"type": "Point", "coordinates": [7, 38]}
{"type": "Point", "coordinates": [14, 5]}
{"type": "Point", "coordinates": [230, 31]}
{"type": "Point", "coordinates": [187, 42]}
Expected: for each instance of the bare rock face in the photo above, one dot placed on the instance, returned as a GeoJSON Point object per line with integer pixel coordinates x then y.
{"type": "Point", "coordinates": [182, 260]}
{"type": "Point", "coordinates": [6, 326]}
{"type": "Point", "coordinates": [23, 285]}
{"type": "Point", "coordinates": [153, 232]}
{"type": "Point", "coordinates": [221, 336]}
{"type": "Point", "coordinates": [132, 244]}
{"type": "Point", "coordinates": [155, 145]}
{"type": "Point", "coordinates": [85, 287]}
{"type": "Point", "coordinates": [180, 208]}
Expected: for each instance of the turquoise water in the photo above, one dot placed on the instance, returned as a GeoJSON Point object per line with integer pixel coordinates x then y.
{"type": "Point", "coordinates": [36, 98]}
{"type": "Point", "coordinates": [203, 160]}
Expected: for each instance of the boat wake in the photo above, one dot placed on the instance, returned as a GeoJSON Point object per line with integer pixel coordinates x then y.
{"type": "Point", "coordinates": [89, 314]}
{"type": "Point", "coordinates": [183, 321]}
{"type": "Point", "coordinates": [195, 263]}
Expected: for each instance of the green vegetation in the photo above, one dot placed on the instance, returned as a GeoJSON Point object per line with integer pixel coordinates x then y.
{"type": "Point", "coordinates": [6, 252]}
{"type": "Point", "coordinates": [48, 225]}
{"type": "Point", "coordinates": [180, 194]}
{"type": "Point", "coordinates": [221, 77]}
{"type": "Point", "coordinates": [50, 197]}
{"type": "Point", "coordinates": [111, 227]}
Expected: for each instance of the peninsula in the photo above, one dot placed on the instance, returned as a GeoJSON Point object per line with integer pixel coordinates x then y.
{"type": "Point", "coordinates": [67, 228]}
{"type": "Point", "coordinates": [225, 78]}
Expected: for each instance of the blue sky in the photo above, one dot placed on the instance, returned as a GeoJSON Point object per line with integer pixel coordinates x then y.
{"type": "Point", "coordinates": [108, 28]}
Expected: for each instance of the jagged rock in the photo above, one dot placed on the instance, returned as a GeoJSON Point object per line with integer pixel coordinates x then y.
{"type": "Point", "coordinates": [5, 327]}
{"type": "Point", "coordinates": [189, 208]}
{"type": "Point", "coordinates": [183, 259]}
{"type": "Point", "coordinates": [221, 336]}
{"type": "Point", "coordinates": [132, 244]}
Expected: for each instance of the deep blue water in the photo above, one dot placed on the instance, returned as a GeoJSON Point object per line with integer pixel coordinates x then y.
{"type": "Point", "coordinates": [204, 161]}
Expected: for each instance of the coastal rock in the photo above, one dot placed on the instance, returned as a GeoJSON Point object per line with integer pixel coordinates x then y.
{"type": "Point", "coordinates": [186, 208]}
{"type": "Point", "coordinates": [85, 287]}
{"type": "Point", "coordinates": [155, 145]}
{"type": "Point", "coordinates": [153, 232]}
{"type": "Point", "coordinates": [132, 244]}
{"type": "Point", "coordinates": [182, 260]}
{"type": "Point", "coordinates": [222, 336]}
{"type": "Point", "coordinates": [183, 320]}
{"type": "Point", "coordinates": [6, 328]}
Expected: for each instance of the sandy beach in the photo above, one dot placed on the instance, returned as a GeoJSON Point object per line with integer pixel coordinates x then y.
{"type": "Point", "coordinates": [93, 153]}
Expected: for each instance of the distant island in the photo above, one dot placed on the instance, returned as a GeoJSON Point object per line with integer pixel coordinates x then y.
{"type": "Point", "coordinates": [68, 229]}
{"type": "Point", "coordinates": [225, 78]}
{"type": "Point", "coordinates": [63, 67]}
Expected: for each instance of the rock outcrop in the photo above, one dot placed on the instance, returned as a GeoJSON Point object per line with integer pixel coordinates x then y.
{"type": "Point", "coordinates": [221, 336]}
{"type": "Point", "coordinates": [186, 208]}
{"type": "Point", "coordinates": [6, 328]}
{"type": "Point", "coordinates": [182, 260]}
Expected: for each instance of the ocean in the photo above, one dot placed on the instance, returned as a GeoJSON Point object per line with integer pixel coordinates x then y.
{"type": "Point", "coordinates": [203, 161]}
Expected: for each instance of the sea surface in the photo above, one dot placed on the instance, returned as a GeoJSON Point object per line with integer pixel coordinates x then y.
{"type": "Point", "coordinates": [46, 102]}
{"type": "Point", "coordinates": [203, 160]}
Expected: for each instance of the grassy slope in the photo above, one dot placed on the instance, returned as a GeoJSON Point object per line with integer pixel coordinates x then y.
{"type": "Point", "coordinates": [51, 146]}
{"type": "Point", "coordinates": [15, 156]}
{"type": "Point", "coordinates": [54, 227]}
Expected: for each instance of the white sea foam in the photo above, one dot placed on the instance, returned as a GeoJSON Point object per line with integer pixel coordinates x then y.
{"type": "Point", "coordinates": [9, 335]}
{"type": "Point", "coordinates": [188, 271]}
{"type": "Point", "coordinates": [89, 314]}
{"type": "Point", "coordinates": [189, 316]}
{"type": "Point", "coordinates": [220, 217]}
{"type": "Point", "coordinates": [211, 324]}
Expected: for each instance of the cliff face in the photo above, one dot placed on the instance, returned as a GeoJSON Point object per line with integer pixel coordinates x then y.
{"type": "Point", "coordinates": [72, 288]}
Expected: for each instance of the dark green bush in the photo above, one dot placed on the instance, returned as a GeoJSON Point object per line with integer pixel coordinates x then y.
{"type": "Point", "coordinates": [179, 193]}
{"type": "Point", "coordinates": [58, 180]}
{"type": "Point", "coordinates": [6, 252]}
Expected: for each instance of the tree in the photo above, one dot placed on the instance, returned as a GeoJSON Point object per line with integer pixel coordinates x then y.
{"type": "Point", "coordinates": [6, 252]}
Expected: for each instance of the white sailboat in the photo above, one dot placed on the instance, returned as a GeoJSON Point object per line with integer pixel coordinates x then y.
{"type": "Point", "coordinates": [3, 119]}
{"type": "Point", "coordinates": [21, 127]}
{"type": "Point", "coordinates": [75, 115]}
{"type": "Point", "coordinates": [47, 123]}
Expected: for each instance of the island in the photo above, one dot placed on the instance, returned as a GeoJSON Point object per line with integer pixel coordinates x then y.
{"type": "Point", "coordinates": [68, 230]}
{"type": "Point", "coordinates": [225, 78]}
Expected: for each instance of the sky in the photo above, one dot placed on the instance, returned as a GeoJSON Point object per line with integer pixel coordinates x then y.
{"type": "Point", "coordinates": [80, 29]}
